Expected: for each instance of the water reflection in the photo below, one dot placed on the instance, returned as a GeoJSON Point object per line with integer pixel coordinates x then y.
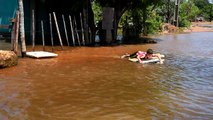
{"type": "Point", "coordinates": [93, 83]}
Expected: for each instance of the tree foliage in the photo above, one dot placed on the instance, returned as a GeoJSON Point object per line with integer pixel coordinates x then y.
{"type": "Point", "coordinates": [188, 13]}
{"type": "Point", "coordinates": [97, 11]}
{"type": "Point", "coordinates": [166, 10]}
{"type": "Point", "coordinates": [208, 12]}
{"type": "Point", "coordinates": [146, 16]}
{"type": "Point", "coordinates": [205, 7]}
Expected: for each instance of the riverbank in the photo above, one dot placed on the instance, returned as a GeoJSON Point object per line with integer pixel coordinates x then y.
{"type": "Point", "coordinates": [195, 27]}
{"type": "Point", "coordinates": [200, 27]}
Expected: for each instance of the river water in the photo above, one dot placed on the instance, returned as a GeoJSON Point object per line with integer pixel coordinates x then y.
{"type": "Point", "coordinates": [93, 83]}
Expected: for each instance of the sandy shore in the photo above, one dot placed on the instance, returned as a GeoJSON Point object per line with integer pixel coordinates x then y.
{"type": "Point", "coordinates": [200, 27]}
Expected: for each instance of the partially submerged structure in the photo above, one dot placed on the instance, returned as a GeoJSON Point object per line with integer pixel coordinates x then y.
{"type": "Point", "coordinates": [7, 11]}
{"type": "Point", "coordinates": [70, 22]}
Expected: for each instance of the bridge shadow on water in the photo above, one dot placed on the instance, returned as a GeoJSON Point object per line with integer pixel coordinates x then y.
{"type": "Point", "coordinates": [141, 40]}
{"type": "Point", "coordinates": [128, 41]}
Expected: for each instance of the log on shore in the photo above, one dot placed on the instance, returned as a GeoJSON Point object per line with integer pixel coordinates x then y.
{"type": "Point", "coordinates": [8, 59]}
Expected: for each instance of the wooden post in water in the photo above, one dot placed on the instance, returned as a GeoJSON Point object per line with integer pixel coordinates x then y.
{"type": "Point", "coordinates": [33, 30]}
{"type": "Point", "coordinates": [13, 34]}
{"type": "Point", "coordinates": [73, 37]}
{"type": "Point", "coordinates": [59, 35]}
{"type": "Point", "coordinates": [51, 30]}
{"type": "Point", "coordinates": [22, 30]}
{"type": "Point", "coordinates": [76, 30]}
{"type": "Point", "coordinates": [16, 32]}
{"type": "Point", "coordinates": [86, 21]}
{"type": "Point", "coordinates": [82, 29]}
{"type": "Point", "coordinates": [107, 25]}
{"type": "Point", "coordinates": [42, 30]}
{"type": "Point", "coordinates": [65, 30]}
{"type": "Point", "coordinates": [177, 4]}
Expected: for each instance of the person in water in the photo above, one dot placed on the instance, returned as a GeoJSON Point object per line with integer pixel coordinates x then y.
{"type": "Point", "coordinates": [140, 55]}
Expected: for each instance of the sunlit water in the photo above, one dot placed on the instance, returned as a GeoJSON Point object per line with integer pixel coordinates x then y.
{"type": "Point", "coordinates": [93, 83]}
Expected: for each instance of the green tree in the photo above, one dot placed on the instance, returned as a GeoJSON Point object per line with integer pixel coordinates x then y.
{"type": "Point", "coordinates": [205, 8]}
{"type": "Point", "coordinates": [142, 13]}
{"type": "Point", "coordinates": [200, 3]}
{"type": "Point", "coordinates": [120, 6]}
{"type": "Point", "coordinates": [97, 10]}
{"type": "Point", "coordinates": [208, 12]}
{"type": "Point", "coordinates": [148, 11]}
{"type": "Point", "coordinates": [166, 10]}
{"type": "Point", "coordinates": [188, 13]}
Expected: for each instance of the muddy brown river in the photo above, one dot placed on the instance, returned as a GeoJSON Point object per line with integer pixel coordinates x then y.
{"type": "Point", "coordinates": [93, 83]}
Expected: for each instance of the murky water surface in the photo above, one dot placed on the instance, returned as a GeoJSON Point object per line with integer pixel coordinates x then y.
{"type": "Point", "coordinates": [90, 83]}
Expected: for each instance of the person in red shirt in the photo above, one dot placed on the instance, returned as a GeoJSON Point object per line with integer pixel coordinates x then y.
{"type": "Point", "coordinates": [140, 55]}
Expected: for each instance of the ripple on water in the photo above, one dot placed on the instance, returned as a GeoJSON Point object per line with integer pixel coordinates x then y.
{"type": "Point", "coordinates": [70, 87]}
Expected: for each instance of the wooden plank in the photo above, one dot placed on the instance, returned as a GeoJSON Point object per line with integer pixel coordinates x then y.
{"type": "Point", "coordinates": [76, 30]}
{"type": "Point", "coordinates": [16, 32]}
{"type": "Point", "coordinates": [65, 30]}
{"type": "Point", "coordinates": [51, 30]}
{"type": "Point", "coordinates": [42, 31]}
{"type": "Point", "coordinates": [13, 35]}
{"type": "Point", "coordinates": [73, 36]}
{"type": "Point", "coordinates": [33, 30]}
{"type": "Point", "coordinates": [22, 29]}
{"type": "Point", "coordinates": [59, 35]}
{"type": "Point", "coordinates": [82, 29]}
